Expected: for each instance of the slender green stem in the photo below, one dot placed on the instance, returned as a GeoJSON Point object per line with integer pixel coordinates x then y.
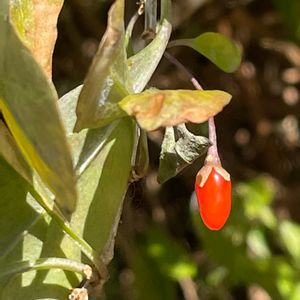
{"type": "Point", "coordinates": [64, 224]}
{"type": "Point", "coordinates": [43, 264]}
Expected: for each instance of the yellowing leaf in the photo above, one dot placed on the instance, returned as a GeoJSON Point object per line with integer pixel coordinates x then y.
{"type": "Point", "coordinates": [12, 154]}
{"type": "Point", "coordinates": [35, 22]}
{"type": "Point", "coordinates": [154, 109]}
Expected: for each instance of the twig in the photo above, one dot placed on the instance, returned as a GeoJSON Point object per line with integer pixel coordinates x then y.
{"type": "Point", "coordinates": [189, 289]}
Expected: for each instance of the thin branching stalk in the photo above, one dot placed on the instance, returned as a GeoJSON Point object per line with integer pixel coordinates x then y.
{"type": "Point", "coordinates": [213, 155]}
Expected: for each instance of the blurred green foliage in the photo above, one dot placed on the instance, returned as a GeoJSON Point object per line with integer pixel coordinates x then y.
{"type": "Point", "coordinates": [290, 12]}
{"type": "Point", "coordinates": [255, 249]}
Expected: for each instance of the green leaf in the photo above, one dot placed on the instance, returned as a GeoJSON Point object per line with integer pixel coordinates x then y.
{"type": "Point", "coordinates": [170, 257]}
{"type": "Point", "coordinates": [219, 49]}
{"type": "Point", "coordinates": [4, 8]}
{"type": "Point", "coordinates": [166, 10]}
{"type": "Point", "coordinates": [257, 196]}
{"type": "Point", "coordinates": [103, 157]}
{"type": "Point", "coordinates": [239, 266]}
{"type": "Point", "coordinates": [143, 64]}
{"type": "Point", "coordinates": [12, 154]}
{"type": "Point", "coordinates": [169, 161]}
{"type": "Point", "coordinates": [189, 146]}
{"type": "Point", "coordinates": [290, 236]}
{"type": "Point", "coordinates": [28, 104]}
{"type": "Point", "coordinates": [93, 105]}
{"type": "Point", "coordinates": [103, 161]}
{"type": "Point", "coordinates": [112, 76]}
{"type": "Point", "coordinates": [154, 109]}
{"type": "Point", "coordinates": [16, 214]}
{"type": "Point", "coordinates": [141, 155]}
{"type": "Point", "coordinates": [257, 244]}
{"type": "Point", "coordinates": [290, 13]}
{"type": "Point", "coordinates": [179, 149]}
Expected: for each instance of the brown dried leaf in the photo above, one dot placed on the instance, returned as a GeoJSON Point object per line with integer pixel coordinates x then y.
{"type": "Point", "coordinates": [154, 109]}
{"type": "Point", "coordinates": [35, 21]}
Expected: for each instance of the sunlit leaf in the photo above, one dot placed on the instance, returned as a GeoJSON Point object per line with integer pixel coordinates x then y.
{"type": "Point", "coordinates": [290, 236]}
{"type": "Point", "coordinates": [12, 154]}
{"type": "Point", "coordinates": [257, 244]}
{"type": "Point", "coordinates": [257, 196]}
{"type": "Point", "coordinates": [216, 47]}
{"type": "Point", "coordinates": [242, 267]}
{"type": "Point", "coordinates": [35, 21]}
{"type": "Point", "coordinates": [179, 149]}
{"type": "Point", "coordinates": [28, 104]}
{"type": "Point", "coordinates": [24, 228]}
{"type": "Point", "coordinates": [42, 264]}
{"type": "Point", "coordinates": [154, 109]}
{"type": "Point", "coordinates": [16, 214]}
{"type": "Point", "coordinates": [93, 104]}
{"type": "Point", "coordinates": [100, 154]}
{"type": "Point", "coordinates": [170, 257]}
{"type": "Point", "coordinates": [143, 64]}
{"type": "Point", "coordinates": [166, 10]}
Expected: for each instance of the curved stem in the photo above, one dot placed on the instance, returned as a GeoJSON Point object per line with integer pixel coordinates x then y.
{"type": "Point", "coordinates": [82, 244]}
{"type": "Point", "coordinates": [45, 264]}
{"type": "Point", "coordinates": [212, 155]}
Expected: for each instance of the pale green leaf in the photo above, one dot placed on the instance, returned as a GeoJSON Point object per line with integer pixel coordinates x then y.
{"type": "Point", "coordinates": [189, 146]}
{"type": "Point", "coordinates": [4, 9]}
{"type": "Point", "coordinates": [16, 214]}
{"type": "Point", "coordinates": [154, 109]}
{"type": "Point", "coordinates": [169, 162]}
{"type": "Point", "coordinates": [93, 104]}
{"type": "Point", "coordinates": [12, 154]}
{"type": "Point", "coordinates": [24, 228]}
{"type": "Point", "coordinates": [166, 10]}
{"type": "Point", "coordinates": [105, 154]}
{"type": "Point", "coordinates": [257, 196]}
{"type": "Point", "coordinates": [143, 64]}
{"type": "Point", "coordinates": [179, 149]}
{"type": "Point", "coordinates": [290, 236]}
{"type": "Point", "coordinates": [28, 104]}
{"type": "Point", "coordinates": [216, 47]}
{"type": "Point", "coordinates": [257, 244]}
{"type": "Point", "coordinates": [99, 155]}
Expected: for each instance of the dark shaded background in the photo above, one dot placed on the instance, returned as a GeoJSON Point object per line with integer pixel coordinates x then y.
{"type": "Point", "coordinates": [258, 137]}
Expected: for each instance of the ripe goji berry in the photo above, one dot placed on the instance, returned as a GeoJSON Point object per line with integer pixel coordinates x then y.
{"type": "Point", "coordinates": [213, 190]}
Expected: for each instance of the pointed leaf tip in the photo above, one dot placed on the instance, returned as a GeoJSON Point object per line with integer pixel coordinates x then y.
{"type": "Point", "coordinates": [216, 47]}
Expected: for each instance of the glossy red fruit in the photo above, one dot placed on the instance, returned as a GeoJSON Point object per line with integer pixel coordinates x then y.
{"type": "Point", "coordinates": [213, 190]}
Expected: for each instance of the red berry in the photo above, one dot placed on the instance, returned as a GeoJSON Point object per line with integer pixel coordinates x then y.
{"type": "Point", "coordinates": [213, 190]}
